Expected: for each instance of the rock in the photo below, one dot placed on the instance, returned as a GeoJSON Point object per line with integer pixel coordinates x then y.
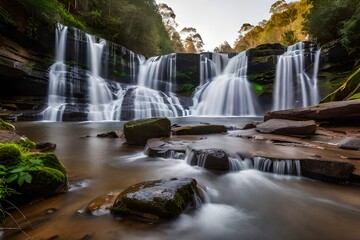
{"type": "Point", "coordinates": [339, 112]}
{"type": "Point", "coordinates": [101, 205]}
{"type": "Point", "coordinates": [112, 134]}
{"type": "Point", "coordinates": [6, 126]}
{"type": "Point", "coordinates": [45, 147]}
{"type": "Point", "coordinates": [199, 129]}
{"type": "Point", "coordinates": [137, 132]}
{"type": "Point", "coordinates": [167, 148]}
{"type": "Point", "coordinates": [287, 127]}
{"type": "Point", "coordinates": [156, 200]}
{"type": "Point", "coordinates": [9, 136]}
{"type": "Point", "coordinates": [213, 159]}
{"type": "Point", "coordinates": [333, 171]}
{"type": "Point", "coordinates": [350, 143]}
{"type": "Point", "coordinates": [10, 154]}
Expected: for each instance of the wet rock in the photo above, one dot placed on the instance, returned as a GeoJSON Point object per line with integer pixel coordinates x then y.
{"type": "Point", "coordinates": [156, 200]}
{"type": "Point", "coordinates": [167, 147]}
{"type": "Point", "coordinates": [330, 171]}
{"type": "Point", "coordinates": [7, 136]}
{"type": "Point", "coordinates": [350, 143]}
{"type": "Point", "coordinates": [287, 127]}
{"type": "Point", "coordinates": [101, 205]}
{"type": "Point", "coordinates": [340, 112]}
{"type": "Point", "coordinates": [199, 129]}
{"type": "Point", "coordinates": [137, 132]}
{"type": "Point", "coordinates": [111, 134]}
{"type": "Point", "coordinates": [45, 147]}
{"type": "Point", "coordinates": [213, 159]}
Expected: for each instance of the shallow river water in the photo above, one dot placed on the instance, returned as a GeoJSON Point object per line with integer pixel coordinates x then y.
{"type": "Point", "coordinates": [244, 205]}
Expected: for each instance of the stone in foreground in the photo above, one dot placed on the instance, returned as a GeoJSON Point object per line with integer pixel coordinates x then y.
{"type": "Point", "coordinates": [137, 132]}
{"type": "Point", "coordinates": [199, 129]}
{"type": "Point", "coordinates": [156, 200]}
{"type": "Point", "coordinates": [212, 159]}
{"type": "Point", "coordinates": [101, 205]}
{"type": "Point", "coordinates": [350, 143]}
{"type": "Point", "coordinates": [287, 127]}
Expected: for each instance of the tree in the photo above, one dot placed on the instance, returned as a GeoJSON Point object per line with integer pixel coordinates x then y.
{"type": "Point", "coordinates": [224, 47]}
{"type": "Point", "coordinates": [278, 6]}
{"type": "Point", "coordinates": [190, 35]}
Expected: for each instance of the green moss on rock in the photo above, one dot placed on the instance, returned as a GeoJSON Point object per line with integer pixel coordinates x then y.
{"type": "Point", "coordinates": [153, 200]}
{"type": "Point", "coordinates": [27, 143]}
{"type": "Point", "coordinates": [137, 132]}
{"type": "Point", "coordinates": [49, 175]}
{"type": "Point", "coordinates": [10, 154]}
{"type": "Point", "coordinates": [49, 160]}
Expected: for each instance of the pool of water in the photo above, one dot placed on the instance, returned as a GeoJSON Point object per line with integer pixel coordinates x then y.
{"type": "Point", "coordinates": [247, 204]}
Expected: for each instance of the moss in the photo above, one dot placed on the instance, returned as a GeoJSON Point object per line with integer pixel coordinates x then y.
{"type": "Point", "coordinates": [10, 154]}
{"type": "Point", "coordinates": [49, 175]}
{"type": "Point", "coordinates": [355, 96]}
{"type": "Point", "coordinates": [6, 126]}
{"type": "Point", "coordinates": [49, 160]}
{"type": "Point", "coordinates": [27, 143]}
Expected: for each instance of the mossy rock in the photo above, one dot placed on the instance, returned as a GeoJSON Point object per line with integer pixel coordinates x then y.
{"type": "Point", "coordinates": [10, 154]}
{"type": "Point", "coordinates": [137, 132]}
{"type": "Point", "coordinates": [6, 126]}
{"type": "Point", "coordinates": [156, 200]}
{"type": "Point", "coordinates": [49, 160]}
{"type": "Point", "coordinates": [27, 143]}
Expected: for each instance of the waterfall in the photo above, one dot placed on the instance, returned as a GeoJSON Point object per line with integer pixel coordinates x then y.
{"type": "Point", "coordinates": [229, 94]}
{"type": "Point", "coordinates": [56, 100]}
{"type": "Point", "coordinates": [211, 65]}
{"type": "Point", "coordinates": [284, 167]}
{"type": "Point", "coordinates": [293, 86]}
{"type": "Point", "coordinates": [153, 96]}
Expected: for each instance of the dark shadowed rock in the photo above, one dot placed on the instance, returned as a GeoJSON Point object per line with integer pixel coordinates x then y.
{"type": "Point", "coordinates": [342, 111]}
{"type": "Point", "coordinates": [213, 159]}
{"type": "Point", "coordinates": [350, 143]}
{"type": "Point", "coordinates": [287, 127]}
{"type": "Point", "coordinates": [137, 132]}
{"type": "Point", "coordinates": [45, 147]}
{"type": "Point", "coordinates": [111, 134]}
{"type": "Point", "coordinates": [199, 129]}
{"type": "Point", "coordinates": [155, 200]}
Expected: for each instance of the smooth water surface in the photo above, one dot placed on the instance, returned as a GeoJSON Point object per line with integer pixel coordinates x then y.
{"type": "Point", "coordinates": [244, 205]}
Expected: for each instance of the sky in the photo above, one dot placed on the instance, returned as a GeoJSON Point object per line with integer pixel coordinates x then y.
{"type": "Point", "coordinates": [218, 20]}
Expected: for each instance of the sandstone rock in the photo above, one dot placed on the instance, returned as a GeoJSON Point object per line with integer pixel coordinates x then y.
{"type": "Point", "coordinates": [137, 132]}
{"type": "Point", "coordinates": [199, 129]}
{"type": "Point", "coordinates": [156, 200]}
{"type": "Point", "coordinates": [287, 127]}
{"type": "Point", "coordinates": [167, 148]}
{"type": "Point", "coordinates": [342, 111]}
{"type": "Point", "coordinates": [101, 205]}
{"type": "Point", "coordinates": [350, 143]}
{"type": "Point", "coordinates": [9, 136]}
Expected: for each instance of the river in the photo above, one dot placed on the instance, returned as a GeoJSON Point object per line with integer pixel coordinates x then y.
{"type": "Point", "coordinates": [244, 205]}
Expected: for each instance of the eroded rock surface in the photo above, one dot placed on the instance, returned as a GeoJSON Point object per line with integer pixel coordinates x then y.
{"type": "Point", "coordinates": [287, 127]}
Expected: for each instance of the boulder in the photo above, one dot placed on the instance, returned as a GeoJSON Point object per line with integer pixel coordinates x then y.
{"type": "Point", "coordinates": [212, 159]}
{"type": "Point", "coordinates": [10, 154]}
{"type": "Point", "coordinates": [167, 147]}
{"type": "Point", "coordinates": [156, 200]}
{"type": "Point", "coordinates": [101, 205]}
{"type": "Point", "coordinates": [350, 143]}
{"type": "Point", "coordinates": [7, 136]}
{"type": "Point", "coordinates": [111, 134]}
{"type": "Point", "coordinates": [45, 147]}
{"type": "Point", "coordinates": [199, 129]}
{"type": "Point", "coordinates": [137, 132]}
{"type": "Point", "coordinates": [287, 127]}
{"type": "Point", "coordinates": [339, 112]}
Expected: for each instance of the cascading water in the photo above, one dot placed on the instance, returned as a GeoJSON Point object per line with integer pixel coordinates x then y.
{"type": "Point", "coordinates": [153, 96]}
{"type": "Point", "coordinates": [229, 94]}
{"type": "Point", "coordinates": [293, 86]}
{"type": "Point", "coordinates": [211, 65]}
{"type": "Point", "coordinates": [57, 79]}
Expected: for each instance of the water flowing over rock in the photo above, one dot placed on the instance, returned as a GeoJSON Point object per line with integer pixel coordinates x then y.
{"type": "Point", "coordinates": [211, 65]}
{"type": "Point", "coordinates": [294, 87]}
{"type": "Point", "coordinates": [229, 94]}
{"type": "Point", "coordinates": [156, 200]}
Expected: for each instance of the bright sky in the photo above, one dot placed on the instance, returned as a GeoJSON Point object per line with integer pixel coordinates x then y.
{"type": "Point", "coordinates": [218, 20]}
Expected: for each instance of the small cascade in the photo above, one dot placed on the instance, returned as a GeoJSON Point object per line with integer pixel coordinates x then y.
{"type": "Point", "coordinates": [284, 167]}
{"type": "Point", "coordinates": [293, 86]}
{"type": "Point", "coordinates": [211, 65]}
{"type": "Point", "coordinates": [229, 94]}
{"type": "Point", "coordinates": [153, 97]}
{"type": "Point", "coordinates": [56, 100]}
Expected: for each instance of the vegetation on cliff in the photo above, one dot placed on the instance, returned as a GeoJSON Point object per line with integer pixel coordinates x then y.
{"type": "Point", "coordinates": [136, 25]}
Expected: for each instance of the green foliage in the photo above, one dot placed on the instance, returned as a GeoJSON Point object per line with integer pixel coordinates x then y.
{"type": "Point", "coordinates": [21, 172]}
{"type": "Point", "coordinates": [289, 38]}
{"type": "Point", "coordinates": [5, 17]}
{"type": "Point", "coordinates": [27, 143]}
{"type": "Point", "coordinates": [257, 87]}
{"type": "Point", "coordinates": [186, 89]}
{"type": "Point", "coordinates": [329, 20]}
{"type": "Point", "coordinates": [6, 126]}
